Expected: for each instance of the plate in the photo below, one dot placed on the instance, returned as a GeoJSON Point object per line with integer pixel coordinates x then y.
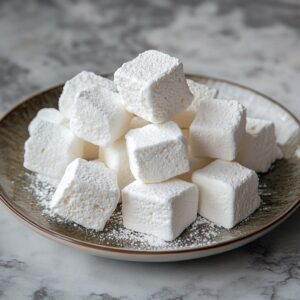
{"type": "Point", "coordinates": [24, 193]}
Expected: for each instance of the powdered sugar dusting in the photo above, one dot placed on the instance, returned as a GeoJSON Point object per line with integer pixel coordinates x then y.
{"type": "Point", "coordinates": [201, 233]}
{"type": "Point", "coordinates": [42, 188]}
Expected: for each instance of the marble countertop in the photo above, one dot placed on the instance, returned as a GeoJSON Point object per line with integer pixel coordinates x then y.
{"type": "Point", "coordinates": [43, 43]}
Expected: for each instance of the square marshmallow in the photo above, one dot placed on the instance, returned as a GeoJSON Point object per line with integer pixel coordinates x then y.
{"type": "Point", "coordinates": [258, 150]}
{"type": "Point", "coordinates": [157, 152]}
{"type": "Point", "coordinates": [87, 194]}
{"type": "Point", "coordinates": [51, 148]}
{"type": "Point", "coordinates": [200, 92]}
{"type": "Point", "coordinates": [218, 129]}
{"type": "Point", "coordinates": [153, 86]}
{"type": "Point", "coordinates": [99, 116]}
{"type": "Point", "coordinates": [161, 209]}
{"type": "Point", "coordinates": [74, 86]}
{"type": "Point", "coordinates": [52, 115]}
{"type": "Point", "coordinates": [228, 192]}
{"type": "Point", "coordinates": [116, 158]}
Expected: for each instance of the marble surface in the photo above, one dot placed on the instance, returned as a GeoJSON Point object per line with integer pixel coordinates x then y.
{"type": "Point", "coordinates": [251, 42]}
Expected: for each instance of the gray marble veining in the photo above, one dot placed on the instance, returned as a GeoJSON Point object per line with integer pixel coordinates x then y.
{"type": "Point", "coordinates": [251, 42]}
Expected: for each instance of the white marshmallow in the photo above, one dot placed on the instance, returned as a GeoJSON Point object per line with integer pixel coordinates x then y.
{"type": "Point", "coordinates": [157, 152]}
{"type": "Point", "coordinates": [258, 150]}
{"type": "Point", "coordinates": [137, 122]}
{"type": "Point", "coordinates": [200, 92]}
{"type": "Point", "coordinates": [99, 116]}
{"type": "Point", "coordinates": [228, 192]}
{"type": "Point", "coordinates": [52, 115]}
{"type": "Point", "coordinates": [47, 114]}
{"type": "Point", "coordinates": [116, 158]}
{"type": "Point", "coordinates": [51, 148]}
{"type": "Point", "coordinates": [153, 86]}
{"type": "Point", "coordinates": [87, 194]}
{"type": "Point", "coordinates": [74, 86]}
{"type": "Point", "coordinates": [218, 129]}
{"type": "Point", "coordinates": [162, 209]}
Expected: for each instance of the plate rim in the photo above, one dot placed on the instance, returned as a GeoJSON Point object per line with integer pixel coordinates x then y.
{"type": "Point", "coordinates": [134, 252]}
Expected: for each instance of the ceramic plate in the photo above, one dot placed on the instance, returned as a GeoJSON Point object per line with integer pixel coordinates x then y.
{"type": "Point", "coordinates": [23, 193]}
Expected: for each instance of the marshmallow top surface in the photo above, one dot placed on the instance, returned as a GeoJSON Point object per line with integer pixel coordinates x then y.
{"type": "Point", "coordinates": [148, 66]}
{"type": "Point", "coordinates": [219, 113]}
{"type": "Point", "coordinates": [80, 82]}
{"type": "Point", "coordinates": [231, 173]}
{"type": "Point", "coordinates": [254, 126]}
{"type": "Point", "coordinates": [158, 192]}
{"type": "Point", "coordinates": [153, 134]}
{"type": "Point", "coordinates": [259, 150]}
{"type": "Point", "coordinates": [51, 115]}
{"type": "Point", "coordinates": [87, 194]}
{"type": "Point", "coordinates": [50, 148]}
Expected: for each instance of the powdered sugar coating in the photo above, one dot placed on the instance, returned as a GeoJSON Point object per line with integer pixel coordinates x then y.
{"type": "Point", "coordinates": [51, 148]}
{"type": "Point", "coordinates": [162, 209]}
{"type": "Point", "coordinates": [218, 129]}
{"type": "Point", "coordinates": [74, 86]}
{"type": "Point", "coordinates": [228, 192]}
{"type": "Point", "coordinates": [157, 152]}
{"type": "Point", "coordinates": [259, 150]}
{"type": "Point", "coordinates": [51, 115]}
{"type": "Point", "coordinates": [153, 86]}
{"type": "Point", "coordinates": [87, 194]}
{"type": "Point", "coordinates": [99, 116]}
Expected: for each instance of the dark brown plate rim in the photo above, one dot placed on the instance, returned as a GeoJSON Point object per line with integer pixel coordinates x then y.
{"type": "Point", "coordinates": [102, 248]}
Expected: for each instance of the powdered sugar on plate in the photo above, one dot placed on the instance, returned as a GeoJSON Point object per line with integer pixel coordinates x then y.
{"type": "Point", "coordinates": [201, 233]}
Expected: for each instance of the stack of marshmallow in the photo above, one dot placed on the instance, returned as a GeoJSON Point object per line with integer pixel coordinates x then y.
{"type": "Point", "coordinates": [170, 147]}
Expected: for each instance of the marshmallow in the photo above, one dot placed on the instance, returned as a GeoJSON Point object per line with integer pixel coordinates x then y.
{"type": "Point", "coordinates": [162, 209]}
{"type": "Point", "coordinates": [51, 148]}
{"type": "Point", "coordinates": [99, 116]}
{"type": "Point", "coordinates": [157, 152]}
{"type": "Point", "coordinates": [228, 192]}
{"type": "Point", "coordinates": [87, 194]}
{"type": "Point", "coordinates": [153, 86]}
{"type": "Point", "coordinates": [47, 114]}
{"type": "Point", "coordinates": [52, 115]}
{"type": "Point", "coordinates": [137, 122]}
{"type": "Point", "coordinates": [74, 86]}
{"type": "Point", "coordinates": [218, 129]}
{"type": "Point", "coordinates": [258, 150]}
{"type": "Point", "coordinates": [200, 92]}
{"type": "Point", "coordinates": [116, 158]}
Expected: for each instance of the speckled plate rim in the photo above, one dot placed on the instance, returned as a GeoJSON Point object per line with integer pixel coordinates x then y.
{"type": "Point", "coordinates": [150, 255]}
